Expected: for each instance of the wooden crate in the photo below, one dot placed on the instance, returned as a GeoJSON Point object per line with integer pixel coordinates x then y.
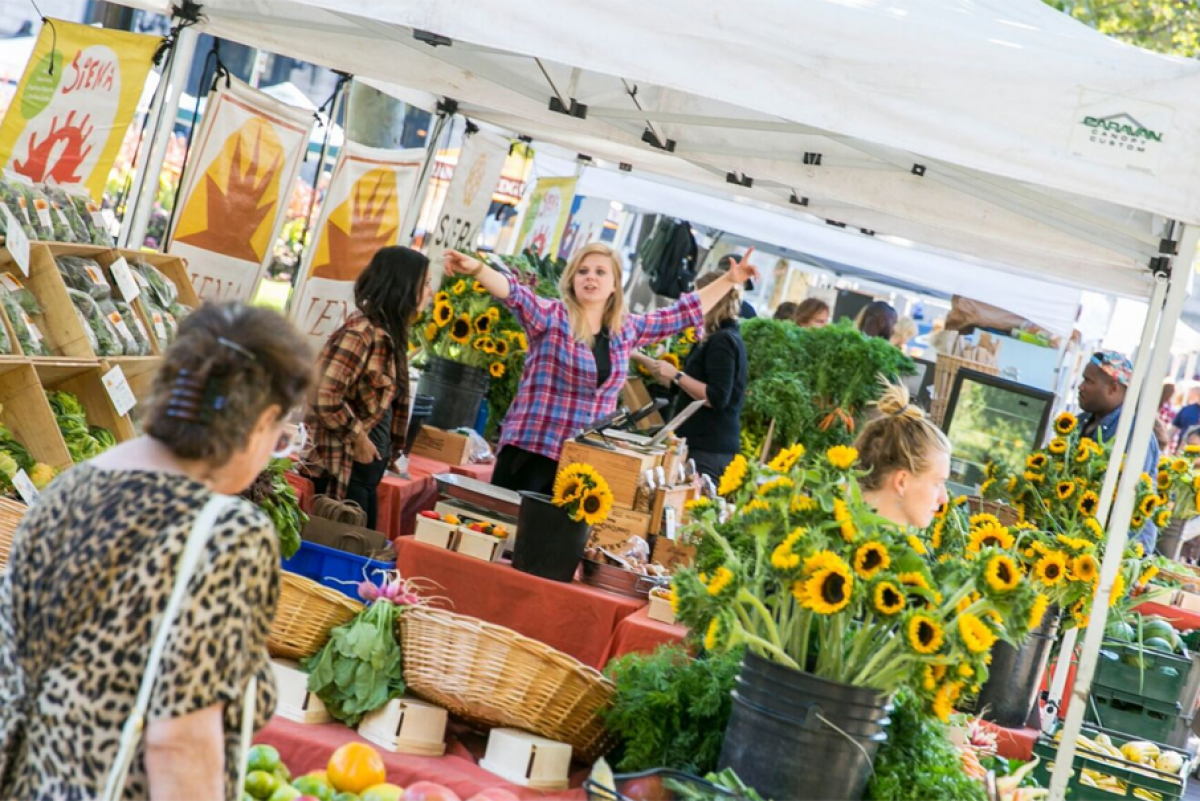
{"type": "Point", "coordinates": [84, 381]}
{"type": "Point", "coordinates": [620, 467]}
{"type": "Point", "coordinates": [674, 498]}
{"type": "Point", "coordinates": [106, 260]}
{"type": "Point", "coordinates": [172, 267]}
{"type": "Point", "coordinates": [60, 325]}
{"type": "Point", "coordinates": [26, 412]}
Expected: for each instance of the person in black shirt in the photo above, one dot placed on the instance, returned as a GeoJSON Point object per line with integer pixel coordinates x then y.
{"type": "Point", "coordinates": [716, 371]}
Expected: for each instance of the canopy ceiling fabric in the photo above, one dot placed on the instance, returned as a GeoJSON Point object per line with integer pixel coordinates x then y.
{"type": "Point", "coordinates": [999, 103]}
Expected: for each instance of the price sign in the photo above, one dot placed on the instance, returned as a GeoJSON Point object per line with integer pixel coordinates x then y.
{"type": "Point", "coordinates": [25, 488]}
{"type": "Point", "coordinates": [126, 283]}
{"type": "Point", "coordinates": [118, 390]}
{"type": "Point", "coordinates": [17, 241]}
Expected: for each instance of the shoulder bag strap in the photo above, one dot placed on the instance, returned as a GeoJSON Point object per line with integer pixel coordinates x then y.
{"type": "Point", "coordinates": [131, 733]}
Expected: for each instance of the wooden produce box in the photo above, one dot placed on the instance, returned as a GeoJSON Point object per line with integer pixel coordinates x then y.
{"type": "Point", "coordinates": [64, 334]}
{"type": "Point", "coordinates": [527, 759]}
{"type": "Point", "coordinates": [484, 547]}
{"type": "Point", "coordinates": [620, 526]}
{"type": "Point", "coordinates": [442, 446]}
{"type": "Point", "coordinates": [672, 554]}
{"type": "Point", "coordinates": [406, 726]}
{"type": "Point", "coordinates": [84, 381]}
{"type": "Point", "coordinates": [660, 610]}
{"type": "Point", "coordinates": [437, 533]}
{"type": "Point", "coordinates": [1186, 600]}
{"type": "Point", "coordinates": [294, 701]}
{"type": "Point", "coordinates": [620, 467]}
{"type": "Point", "coordinates": [673, 498]}
{"type": "Point", "coordinates": [27, 413]}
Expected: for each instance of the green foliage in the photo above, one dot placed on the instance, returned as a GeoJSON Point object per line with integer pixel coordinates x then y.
{"type": "Point", "coordinates": [359, 669]}
{"type": "Point", "coordinates": [918, 760]}
{"type": "Point", "coordinates": [83, 442]}
{"type": "Point", "coordinates": [784, 398]}
{"type": "Point", "coordinates": [272, 493]}
{"type": "Point", "coordinates": [1165, 26]}
{"type": "Point", "coordinates": [670, 710]}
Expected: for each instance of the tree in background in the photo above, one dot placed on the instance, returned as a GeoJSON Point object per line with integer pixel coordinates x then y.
{"type": "Point", "coordinates": [1165, 26]}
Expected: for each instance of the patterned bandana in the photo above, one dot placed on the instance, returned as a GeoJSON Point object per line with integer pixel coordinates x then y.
{"type": "Point", "coordinates": [1117, 366]}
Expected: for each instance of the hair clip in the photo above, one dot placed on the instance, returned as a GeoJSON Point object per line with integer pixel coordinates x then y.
{"type": "Point", "coordinates": [239, 348]}
{"type": "Point", "coordinates": [186, 402]}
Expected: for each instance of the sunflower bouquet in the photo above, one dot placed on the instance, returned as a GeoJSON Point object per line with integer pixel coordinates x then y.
{"type": "Point", "coordinates": [805, 574]}
{"type": "Point", "coordinates": [674, 351]}
{"type": "Point", "coordinates": [583, 494]}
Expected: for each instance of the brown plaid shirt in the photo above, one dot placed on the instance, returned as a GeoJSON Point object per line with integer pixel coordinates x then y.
{"type": "Point", "coordinates": [357, 381]}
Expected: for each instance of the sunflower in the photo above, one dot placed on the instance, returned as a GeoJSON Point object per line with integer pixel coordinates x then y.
{"type": "Point", "coordinates": [841, 513]}
{"type": "Point", "coordinates": [1034, 478]}
{"type": "Point", "coordinates": [986, 486]}
{"type": "Point", "coordinates": [1192, 450]}
{"type": "Point", "coordinates": [966, 671]}
{"type": "Point", "coordinates": [460, 287]}
{"type": "Point", "coordinates": [1094, 527]}
{"type": "Point", "coordinates": [478, 288]}
{"type": "Point", "coordinates": [1179, 465]}
{"type": "Point", "coordinates": [1148, 575]}
{"type": "Point", "coordinates": [783, 557]}
{"type": "Point", "coordinates": [1036, 461]}
{"type": "Point", "coordinates": [925, 635]}
{"type": "Point", "coordinates": [483, 324]}
{"type": "Point", "coordinates": [496, 369]}
{"type": "Point", "coordinates": [1064, 489]}
{"type": "Point", "coordinates": [460, 329]}
{"type": "Point", "coordinates": [1002, 573]}
{"type": "Point", "coordinates": [501, 348]}
{"type": "Point", "coordinates": [802, 503]}
{"type": "Point", "coordinates": [983, 518]}
{"type": "Point", "coordinates": [522, 341]}
{"type": "Point", "coordinates": [777, 483]}
{"type": "Point", "coordinates": [734, 475]}
{"type": "Point", "coordinates": [1163, 518]}
{"type": "Point", "coordinates": [1083, 568]}
{"type": "Point", "coordinates": [786, 459]}
{"type": "Point", "coordinates": [824, 560]}
{"type": "Point", "coordinates": [442, 313]}
{"type": "Point", "coordinates": [698, 504]}
{"type": "Point", "coordinates": [1065, 423]}
{"type": "Point", "coordinates": [888, 598]}
{"type": "Point", "coordinates": [673, 597]}
{"type": "Point", "coordinates": [1038, 611]}
{"type": "Point", "coordinates": [828, 591]}
{"type": "Point", "coordinates": [975, 634]}
{"type": "Point", "coordinates": [842, 457]}
{"type": "Point", "coordinates": [1164, 479]}
{"type": "Point", "coordinates": [915, 543]}
{"type": "Point", "coordinates": [1136, 522]}
{"type": "Point", "coordinates": [441, 297]}
{"type": "Point", "coordinates": [1051, 568]}
{"type": "Point", "coordinates": [711, 635]}
{"type": "Point", "coordinates": [943, 702]}
{"type": "Point", "coordinates": [431, 331]}
{"type": "Point", "coordinates": [935, 539]}
{"type": "Point", "coordinates": [1089, 503]}
{"type": "Point", "coordinates": [869, 559]}
{"type": "Point", "coordinates": [1058, 446]}
{"type": "Point", "coordinates": [595, 505]}
{"type": "Point", "coordinates": [720, 580]}
{"type": "Point", "coordinates": [1075, 543]}
{"type": "Point", "coordinates": [671, 359]}
{"type": "Point", "coordinates": [990, 535]}
{"type": "Point", "coordinates": [913, 579]}
{"type": "Point", "coordinates": [568, 485]}
{"type": "Point", "coordinates": [1118, 590]}
{"type": "Point", "coordinates": [1148, 505]}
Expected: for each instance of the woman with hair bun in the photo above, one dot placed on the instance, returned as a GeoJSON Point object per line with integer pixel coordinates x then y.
{"type": "Point", "coordinates": [908, 457]}
{"type": "Point", "coordinates": [95, 560]}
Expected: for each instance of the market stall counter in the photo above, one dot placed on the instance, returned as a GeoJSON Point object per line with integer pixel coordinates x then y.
{"type": "Point", "coordinates": [638, 633]}
{"type": "Point", "coordinates": [571, 617]}
{"type": "Point", "coordinates": [307, 747]}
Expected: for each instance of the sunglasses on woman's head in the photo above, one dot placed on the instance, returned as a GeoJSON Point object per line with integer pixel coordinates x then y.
{"type": "Point", "coordinates": [292, 438]}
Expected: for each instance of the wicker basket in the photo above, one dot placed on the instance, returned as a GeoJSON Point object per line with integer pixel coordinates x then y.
{"type": "Point", "coordinates": [493, 676]}
{"type": "Point", "coordinates": [1005, 514]}
{"type": "Point", "coordinates": [307, 613]}
{"type": "Point", "coordinates": [946, 369]}
{"type": "Point", "coordinates": [11, 513]}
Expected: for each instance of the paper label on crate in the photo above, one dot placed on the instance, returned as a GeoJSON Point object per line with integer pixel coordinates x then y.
{"type": "Point", "coordinates": [24, 486]}
{"type": "Point", "coordinates": [17, 241]}
{"type": "Point", "coordinates": [160, 328]}
{"type": "Point", "coordinates": [23, 207]}
{"type": "Point", "coordinates": [126, 284]}
{"type": "Point", "coordinates": [119, 323]}
{"type": "Point", "coordinates": [11, 282]}
{"type": "Point", "coordinates": [43, 214]}
{"type": "Point", "coordinates": [96, 275]}
{"type": "Point", "coordinates": [119, 390]}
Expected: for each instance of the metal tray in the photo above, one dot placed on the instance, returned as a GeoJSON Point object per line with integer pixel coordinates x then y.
{"type": "Point", "coordinates": [618, 580]}
{"type": "Point", "coordinates": [477, 493]}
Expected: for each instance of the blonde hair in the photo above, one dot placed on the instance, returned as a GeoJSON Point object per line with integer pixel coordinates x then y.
{"type": "Point", "coordinates": [727, 308]}
{"type": "Point", "coordinates": [903, 438]}
{"type": "Point", "coordinates": [614, 312]}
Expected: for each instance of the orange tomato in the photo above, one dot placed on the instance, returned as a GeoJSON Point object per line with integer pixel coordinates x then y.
{"type": "Point", "coordinates": [354, 767]}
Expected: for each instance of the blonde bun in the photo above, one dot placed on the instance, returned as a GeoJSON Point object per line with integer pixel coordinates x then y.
{"type": "Point", "coordinates": [902, 438]}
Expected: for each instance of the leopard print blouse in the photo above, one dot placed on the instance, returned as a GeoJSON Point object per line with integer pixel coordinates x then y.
{"type": "Point", "coordinates": [89, 575]}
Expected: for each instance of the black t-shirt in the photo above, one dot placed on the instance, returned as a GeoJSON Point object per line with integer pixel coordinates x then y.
{"type": "Point", "coordinates": [720, 363]}
{"type": "Point", "coordinates": [603, 355]}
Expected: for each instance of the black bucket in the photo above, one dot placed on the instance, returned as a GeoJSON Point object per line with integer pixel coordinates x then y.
{"type": "Point", "coordinates": [422, 407]}
{"type": "Point", "coordinates": [549, 543]}
{"type": "Point", "coordinates": [1010, 694]}
{"type": "Point", "coordinates": [793, 735]}
{"type": "Point", "coordinates": [457, 391]}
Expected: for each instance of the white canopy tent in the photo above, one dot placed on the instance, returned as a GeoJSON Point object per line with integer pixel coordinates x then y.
{"type": "Point", "coordinates": [997, 129]}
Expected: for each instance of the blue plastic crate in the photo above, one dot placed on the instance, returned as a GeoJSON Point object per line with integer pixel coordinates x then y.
{"type": "Point", "coordinates": [329, 566]}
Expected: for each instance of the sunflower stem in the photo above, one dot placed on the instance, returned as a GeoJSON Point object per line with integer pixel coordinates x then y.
{"type": "Point", "coordinates": [747, 598]}
{"type": "Point", "coordinates": [778, 653]}
{"type": "Point", "coordinates": [883, 652]}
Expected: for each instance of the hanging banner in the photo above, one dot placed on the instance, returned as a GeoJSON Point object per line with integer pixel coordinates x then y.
{"type": "Point", "coordinates": [547, 215]}
{"type": "Point", "coordinates": [586, 225]}
{"type": "Point", "coordinates": [74, 103]}
{"type": "Point", "coordinates": [469, 195]}
{"type": "Point", "coordinates": [366, 208]}
{"type": "Point", "coordinates": [244, 162]}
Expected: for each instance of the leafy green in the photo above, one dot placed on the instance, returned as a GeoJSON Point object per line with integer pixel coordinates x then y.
{"type": "Point", "coordinates": [274, 495]}
{"type": "Point", "coordinates": [359, 669]}
{"type": "Point", "coordinates": [100, 332]}
{"type": "Point", "coordinates": [726, 779]}
{"type": "Point", "coordinates": [669, 710]}
{"type": "Point", "coordinates": [83, 442]}
{"type": "Point", "coordinates": [784, 399]}
{"type": "Point", "coordinates": [17, 309]}
{"type": "Point", "coordinates": [918, 760]}
{"type": "Point", "coordinates": [162, 290]}
{"type": "Point", "coordinates": [140, 345]}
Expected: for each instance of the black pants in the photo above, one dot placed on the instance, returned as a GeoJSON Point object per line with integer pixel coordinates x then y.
{"type": "Point", "coordinates": [363, 488]}
{"type": "Point", "coordinates": [517, 469]}
{"type": "Point", "coordinates": [711, 464]}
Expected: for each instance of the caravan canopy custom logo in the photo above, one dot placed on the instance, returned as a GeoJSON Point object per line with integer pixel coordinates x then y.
{"type": "Point", "coordinates": [1121, 131]}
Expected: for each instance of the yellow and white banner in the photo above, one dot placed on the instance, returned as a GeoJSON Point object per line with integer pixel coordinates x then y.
{"type": "Point", "coordinates": [546, 217]}
{"type": "Point", "coordinates": [367, 207]}
{"type": "Point", "coordinates": [75, 101]}
{"type": "Point", "coordinates": [469, 196]}
{"type": "Point", "coordinates": [238, 181]}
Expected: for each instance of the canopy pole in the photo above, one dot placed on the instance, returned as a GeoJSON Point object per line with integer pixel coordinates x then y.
{"type": "Point", "coordinates": [1146, 413]}
{"type": "Point", "coordinates": [445, 119]}
{"type": "Point", "coordinates": [134, 232]}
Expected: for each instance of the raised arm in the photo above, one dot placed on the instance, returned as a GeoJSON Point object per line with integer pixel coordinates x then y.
{"type": "Point", "coordinates": [532, 312]}
{"type": "Point", "coordinates": [738, 274]}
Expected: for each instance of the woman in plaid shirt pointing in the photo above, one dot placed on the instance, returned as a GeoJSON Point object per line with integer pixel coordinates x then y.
{"type": "Point", "coordinates": [579, 351]}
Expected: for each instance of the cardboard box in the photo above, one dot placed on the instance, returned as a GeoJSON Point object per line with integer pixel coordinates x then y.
{"type": "Point", "coordinates": [671, 554]}
{"type": "Point", "coordinates": [674, 498]}
{"type": "Point", "coordinates": [437, 533]}
{"type": "Point", "coordinates": [620, 467]}
{"type": "Point", "coordinates": [406, 726]}
{"type": "Point", "coordinates": [442, 446]}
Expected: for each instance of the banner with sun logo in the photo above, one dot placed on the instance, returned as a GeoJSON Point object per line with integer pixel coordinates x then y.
{"type": "Point", "coordinates": [75, 101]}
{"type": "Point", "coordinates": [237, 184]}
{"type": "Point", "coordinates": [366, 208]}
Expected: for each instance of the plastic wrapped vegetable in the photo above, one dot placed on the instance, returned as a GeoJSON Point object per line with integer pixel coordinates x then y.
{"type": "Point", "coordinates": [64, 213]}
{"type": "Point", "coordinates": [125, 336]}
{"type": "Point", "coordinates": [28, 335]}
{"type": "Point", "coordinates": [106, 340]}
{"type": "Point", "coordinates": [35, 207]}
{"type": "Point", "coordinates": [162, 290]}
{"type": "Point", "coordinates": [85, 275]}
{"type": "Point", "coordinates": [89, 212]}
{"type": "Point", "coordinates": [13, 200]}
{"type": "Point", "coordinates": [133, 322]}
{"type": "Point", "coordinates": [82, 443]}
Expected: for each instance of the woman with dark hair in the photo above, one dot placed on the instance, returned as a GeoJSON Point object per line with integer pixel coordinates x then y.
{"type": "Point", "coordinates": [878, 319]}
{"type": "Point", "coordinates": [784, 311]}
{"type": "Point", "coordinates": [358, 413]}
{"type": "Point", "coordinates": [95, 560]}
{"type": "Point", "coordinates": [812, 313]}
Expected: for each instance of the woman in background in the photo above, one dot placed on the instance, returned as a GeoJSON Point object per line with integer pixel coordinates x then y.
{"type": "Point", "coordinates": [785, 310]}
{"type": "Point", "coordinates": [878, 319]}
{"type": "Point", "coordinates": [812, 313]}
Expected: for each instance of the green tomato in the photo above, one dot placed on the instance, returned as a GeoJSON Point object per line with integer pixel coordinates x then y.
{"type": "Point", "coordinates": [264, 758]}
{"type": "Point", "coordinates": [285, 793]}
{"type": "Point", "coordinates": [311, 785]}
{"type": "Point", "coordinates": [261, 784]}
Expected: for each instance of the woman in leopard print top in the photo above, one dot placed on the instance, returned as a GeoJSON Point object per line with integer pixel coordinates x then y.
{"type": "Point", "coordinates": [94, 561]}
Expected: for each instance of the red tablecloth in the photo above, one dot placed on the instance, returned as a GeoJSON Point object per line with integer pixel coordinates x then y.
{"type": "Point", "coordinates": [304, 490]}
{"type": "Point", "coordinates": [305, 748]}
{"type": "Point", "coordinates": [574, 618]}
{"type": "Point", "coordinates": [641, 634]}
{"type": "Point", "coordinates": [479, 472]}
